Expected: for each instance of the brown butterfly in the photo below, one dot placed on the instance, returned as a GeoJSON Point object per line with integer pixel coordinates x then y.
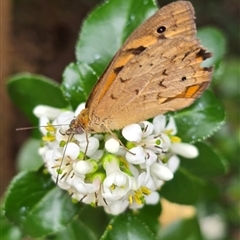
{"type": "Point", "coordinates": [158, 69]}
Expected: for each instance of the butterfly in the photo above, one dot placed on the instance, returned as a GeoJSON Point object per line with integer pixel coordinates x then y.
{"type": "Point", "coordinates": [158, 69]}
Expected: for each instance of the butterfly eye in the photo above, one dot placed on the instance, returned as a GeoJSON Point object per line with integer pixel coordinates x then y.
{"type": "Point", "coordinates": [183, 79]}
{"type": "Point", "coordinates": [161, 29]}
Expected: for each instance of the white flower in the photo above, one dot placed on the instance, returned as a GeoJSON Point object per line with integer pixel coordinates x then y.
{"type": "Point", "coordinates": [184, 149]}
{"type": "Point", "coordinates": [173, 163]}
{"type": "Point", "coordinates": [47, 111]}
{"type": "Point", "coordinates": [112, 145]}
{"type": "Point", "coordinates": [85, 167]}
{"type": "Point", "coordinates": [152, 198]}
{"type": "Point", "coordinates": [148, 144]}
{"type": "Point", "coordinates": [138, 155]}
{"type": "Point", "coordinates": [97, 169]}
{"type": "Point", "coordinates": [139, 190]}
{"type": "Point", "coordinates": [160, 125]}
{"type": "Point", "coordinates": [117, 207]}
{"type": "Point", "coordinates": [89, 143]}
{"type": "Point", "coordinates": [161, 172]}
{"type": "Point", "coordinates": [117, 183]}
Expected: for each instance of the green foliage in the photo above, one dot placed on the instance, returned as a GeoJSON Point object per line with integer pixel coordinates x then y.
{"type": "Point", "coordinates": [39, 209]}
{"type": "Point", "coordinates": [182, 230]}
{"type": "Point", "coordinates": [29, 90]}
{"type": "Point", "coordinates": [36, 205]}
{"type": "Point", "coordinates": [197, 121]}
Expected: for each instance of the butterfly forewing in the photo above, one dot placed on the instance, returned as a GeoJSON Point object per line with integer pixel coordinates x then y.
{"type": "Point", "coordinates": [155, 71]}
{"type": "Point", "coordinates": [165, 77]}
{"type": "Point", "coordinates": [178, 20]}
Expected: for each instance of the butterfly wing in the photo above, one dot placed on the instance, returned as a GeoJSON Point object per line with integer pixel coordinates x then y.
{"type": "Point", "coordinates": [172, 21]}
{"type": "Point", "coordinates": [167, 76]}
{"type": "Point", "coordinates": [156, 70]}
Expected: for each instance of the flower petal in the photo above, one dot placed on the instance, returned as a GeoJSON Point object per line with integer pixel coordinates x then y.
{"type": "Point", "coordinates": [117, 207]}
{"type": "Point", "coordinates": [132, 133]}
{"type": "Point", "coordinates": [147, 128]}
{"type": "Point", "coordinates": [137, 155]}
{"type": "Point", "coordinates": [153, 198]}
{"type": "Point", "coordinates": [161, 172]}
{"type": "Point", "coordinates": [185, 149]}
{"type": "Point", "coordinates": [72, 150]}
{"type": "Point", "coordinates": [172, 126]}
{"type": "Point", "coordinates": [112, 145]}
{"type": "Point", "coordinates": [47, 111]}
{"type": "Point", "coordinates": [173, 163]}
{"type": "Point", "coordinates": [159, 123]}
{"type": "Point", "coordinates": [79, 109]}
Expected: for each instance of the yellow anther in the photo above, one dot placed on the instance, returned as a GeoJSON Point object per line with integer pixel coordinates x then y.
{"type": "Point", "coordinates": [145, 190]}
{"type": "Point", "coordinates": [175, 139]}
{"type": "Point", "coordinates": [49, 138]}
{"type": "Point", "coordinates": [137, 199]}
{"type": "Point", "coordinates": [50, 127]}
{"type": "Point", "coordinates": [130, 198]}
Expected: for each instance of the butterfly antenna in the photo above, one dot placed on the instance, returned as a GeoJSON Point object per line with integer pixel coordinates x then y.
{"type": "Point", "coordinates": [64, 152]}
{"type": "Point", "coordinates": [34, 127]}
{"type": "Point", "coordinates": [27, 128]}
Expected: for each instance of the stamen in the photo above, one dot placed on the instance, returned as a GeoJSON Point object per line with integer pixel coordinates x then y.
{"type": "Point", "coordinates": [48, 138]}
{"type": "Point", "coordinates": [175, 139]}
{"type": "Point", "coordinates": [145, 129]}
{"type": "Point", "coordinates": [145, 190]}
{"type": "Point", "coordinates": [50, 127]}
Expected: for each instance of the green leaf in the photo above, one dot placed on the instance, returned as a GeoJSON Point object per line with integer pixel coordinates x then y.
{"type": "Point", "coordinates": [36, 205]}
{"type": "Point", "coordinates": [127, 226]}
{"type": "Point", "coordinates": [185, 229]}
{"type": "Point", "coordinates": [7, 230]}
{"type": "Point", "coordinates": [201, 119]}
{"type": "Point", "coordinates": [207, 165]}
{"type": "Point", "coordinates": [184, 188]}
{"type": "Point", "coordinates": [86, 216]}
{"type": "Point", "coordinates": [107, 27]}
{"type": "Point", "coordinates": [214, 40]}
{"type": "Point", "coordinates": [76, 230]}
{"type": "Point", "coordinates": [78, 80]}
{"type": "Point", "coordinates": [149, 214]}
{"type": "Point", "coordinates": [28, 157]}
{"type": "Point", "coordinates": [29, 90]}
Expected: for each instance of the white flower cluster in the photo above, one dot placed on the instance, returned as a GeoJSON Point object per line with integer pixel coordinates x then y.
{"type": "Point", "coordinates": [106, 174]}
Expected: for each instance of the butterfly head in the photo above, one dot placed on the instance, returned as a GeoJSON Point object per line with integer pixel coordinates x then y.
{"type": "Point", "coordinates": [75, 127]}
{"type": "Point", "coordinates": [79, 124]}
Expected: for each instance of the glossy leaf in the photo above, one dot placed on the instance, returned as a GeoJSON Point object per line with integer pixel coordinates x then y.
{"type": "Point", "coordinates": [207, 165]}
{"type": "Point", "coordinates": [184, 229]}
{"type": "Point", "coordinates": [127, 226]}
{"type": "Point", "coordinates": [86, 216]}
{"type": "Point", "coordinates": [76, 230]}
{"type": "Point", "coordinates": [78, 79]}
{"type": "Point", "coordinates": [29, 90]}
{"type": "Point", "coordinates": [184, 188]}
{"type": "Point", "coordinates": [201, 119]}
{"type": "Point", "coordinates": [107, 27]}
{"type": "Point", "coordinates": [36, 205]}
{"type": "Point", "coordinates": [149, 214]}
{"type": "Point", "coordinates": [8, 230]}
{"type": "Point", "coordinates": [28, 157]}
